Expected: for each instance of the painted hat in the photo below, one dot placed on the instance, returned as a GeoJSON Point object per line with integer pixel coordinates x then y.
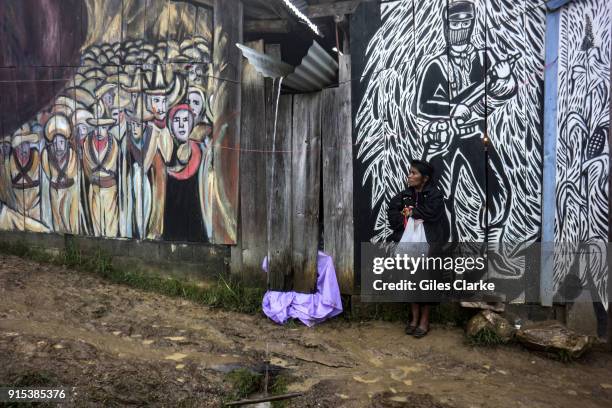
{"type": "Point", "coordinates": [62, 108]}
{"type": "Point", "coordinates": [58, 124]}
{"type": "Point", "coordinates": [178, 91]}
{"type": "Point", "coordinates": [138, 82]}
{"type": "Point", "coordinates": [90, 62]}
{"type": "Point", "coordinates": [81, 95]}
{"type": "Point", "coordinates": [105, 88]}
{"type": "Point", "coordinates": [95, 73]}
{"type": "Point", "coordinates": [94, 51]}
{"type": "Point", "coordinates": [160, 82]}
{"type": "Point", "coordinates": [79, 79]}
{"type": "Point", "coordinates": [66, 100]}
{"type": "Point", "coordinates": [99, 118]}
{"type": "Point", "coordinates": [80, 117]}
{"type": "Point", "coordinates": [121, 100]}
{"type": "Point", "coordinates": [24, 135]}
{"type": "Point", "coordinates": [461, 10]}
{"type": "Point", "coordinates": [111, 70]}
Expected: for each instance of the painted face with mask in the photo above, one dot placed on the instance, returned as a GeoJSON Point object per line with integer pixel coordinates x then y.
{"type": "Point", "coordinates": [459, 23]}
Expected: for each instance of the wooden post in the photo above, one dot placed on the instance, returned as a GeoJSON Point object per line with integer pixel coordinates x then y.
{"type": "Point", "coordinates": [227, 64]}
{"type": "Point", "coordinates": [306, 173]}
{"type": "Point", "coordinates": [278, 172]}
{"type": "Point", "coordinates": [336, 135]}
{"type": "Point", "coordinates": [253, 186]}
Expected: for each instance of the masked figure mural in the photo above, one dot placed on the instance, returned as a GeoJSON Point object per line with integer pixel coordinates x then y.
{"type": "Point", "coordinates": [100, 156]}
{"type": "Point", "coordinates": [25, 172]}
{"type": "Point", "coordinates": [60, 165]}
{"type": "Point", "coordinates": [452, 93]}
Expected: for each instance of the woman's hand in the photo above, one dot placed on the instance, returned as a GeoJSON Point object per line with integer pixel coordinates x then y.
{"type": "Point", "coordinates": [407, 211]}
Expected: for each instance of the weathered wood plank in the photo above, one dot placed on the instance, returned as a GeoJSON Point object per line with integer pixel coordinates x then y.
{"type": "Point", "coordinates": [338, 232]}
{"type": "Point", "coordinates": [227, 64]}
{"type": "Point", "coordinates": [339, 8]}
{"type": "Point", "coordinates": [253, 185]}
{"type": "Point", "coordinates": [266, 26]}
{"type": "Point", "coordinates": [344, 68]}
{"type": "Point", "coordinates": [279, 174]}
{"type": "Point", "coordinates": [306, 186]}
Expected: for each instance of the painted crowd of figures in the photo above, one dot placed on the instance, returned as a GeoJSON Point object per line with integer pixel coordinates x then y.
{"type": "Point", "coordinates": [123, 151]}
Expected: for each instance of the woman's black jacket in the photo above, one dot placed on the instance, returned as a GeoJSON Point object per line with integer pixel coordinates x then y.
{"type": "Point", "coordinates": [429, 207]}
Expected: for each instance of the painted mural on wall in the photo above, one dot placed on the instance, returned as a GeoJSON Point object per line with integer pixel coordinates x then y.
{"type": "Point", "coordinates": [125, 149]}
{"type": "Point", "coordinates": [583, 126]}
{"type": "Point", "coordinates": [443, 81]}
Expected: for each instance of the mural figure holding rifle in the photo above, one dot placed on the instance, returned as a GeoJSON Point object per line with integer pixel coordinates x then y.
{"type": "Point", "coordinates": [453, 91]}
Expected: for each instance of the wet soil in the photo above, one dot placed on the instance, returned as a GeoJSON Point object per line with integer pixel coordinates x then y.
{"type": "Point", "coordinates": [118, 346]}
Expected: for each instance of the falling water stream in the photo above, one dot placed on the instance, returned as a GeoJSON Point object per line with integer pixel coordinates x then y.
{"type": "Point", "coordinates": [273, 151]}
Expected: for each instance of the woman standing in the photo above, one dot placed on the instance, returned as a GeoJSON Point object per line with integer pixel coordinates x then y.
{"type": "Point", "coordinates": [424, 203]}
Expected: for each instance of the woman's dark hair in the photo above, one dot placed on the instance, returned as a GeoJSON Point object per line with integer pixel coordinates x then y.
{"type": "Point", "coordinates": [424, 168]}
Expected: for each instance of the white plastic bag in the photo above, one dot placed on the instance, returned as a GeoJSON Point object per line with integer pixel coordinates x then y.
{"type": "Point", "coordinates": [413, 242]}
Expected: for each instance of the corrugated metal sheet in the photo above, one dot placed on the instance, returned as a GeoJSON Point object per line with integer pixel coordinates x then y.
{"type": "Point", "coordinates": [264, 64]}
{"type": "Point", "coordinates": [292, 7]}
{"type": "Point", "coordinates": [300, 4]}
{"type": "Point", "coordinates": [316, 71]}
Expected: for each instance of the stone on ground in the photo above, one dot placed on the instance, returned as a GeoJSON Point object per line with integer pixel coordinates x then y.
{"type": "Point", "coordinates": [552, 336]}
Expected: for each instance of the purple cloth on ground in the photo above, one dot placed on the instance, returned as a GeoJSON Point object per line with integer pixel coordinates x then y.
{"type": "Point", "coordinates": [310, 309]}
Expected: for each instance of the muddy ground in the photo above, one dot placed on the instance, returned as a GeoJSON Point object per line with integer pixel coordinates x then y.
{"type": "Point", "coordinates": [118, 346]}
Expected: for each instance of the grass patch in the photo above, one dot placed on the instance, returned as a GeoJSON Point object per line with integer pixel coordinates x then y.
{"type": "Point", "coordinates": [226, 292]}
{"type": "Point", "coordinates": [22, 250]}
{"type": "Point", "coordinates": [485, 338]}
{"type": "Point", "coordinates": [279, 387]}
{"type": "Point", "coordinates": [564, 356]}
{"type": "Point", "coordinates": [244, 382]}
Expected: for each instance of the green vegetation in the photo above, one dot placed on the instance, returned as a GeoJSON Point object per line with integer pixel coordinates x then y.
{"type": "Point", "coordinates": [485, 337]}
{"type": "Point", "coordinates": [563, 355]}
{"type": "Point", "coordinates": [244, 382]}
{"type": "Point", "coordinates": [226, 292]}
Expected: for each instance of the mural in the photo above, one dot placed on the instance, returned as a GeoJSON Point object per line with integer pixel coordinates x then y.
{"type": "Point", "coordinates": [583, 126]}
{"type": "Point", "coordinates": [459, 84]}
{"type": "Point", "coordinates": [124, 149]}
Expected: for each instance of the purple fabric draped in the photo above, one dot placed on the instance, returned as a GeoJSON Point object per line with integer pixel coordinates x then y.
{"type": "Point", "coordinates": [310, 309]}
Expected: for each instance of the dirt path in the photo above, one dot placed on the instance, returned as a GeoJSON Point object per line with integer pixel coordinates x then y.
{"type": "Point", "coordinates": [120, 346]}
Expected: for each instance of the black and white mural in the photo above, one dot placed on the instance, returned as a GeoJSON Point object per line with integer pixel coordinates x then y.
{"type": "Point", "coordinates": [460, 84]}
{"type": "Point", "coordinates": [583, 125]}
